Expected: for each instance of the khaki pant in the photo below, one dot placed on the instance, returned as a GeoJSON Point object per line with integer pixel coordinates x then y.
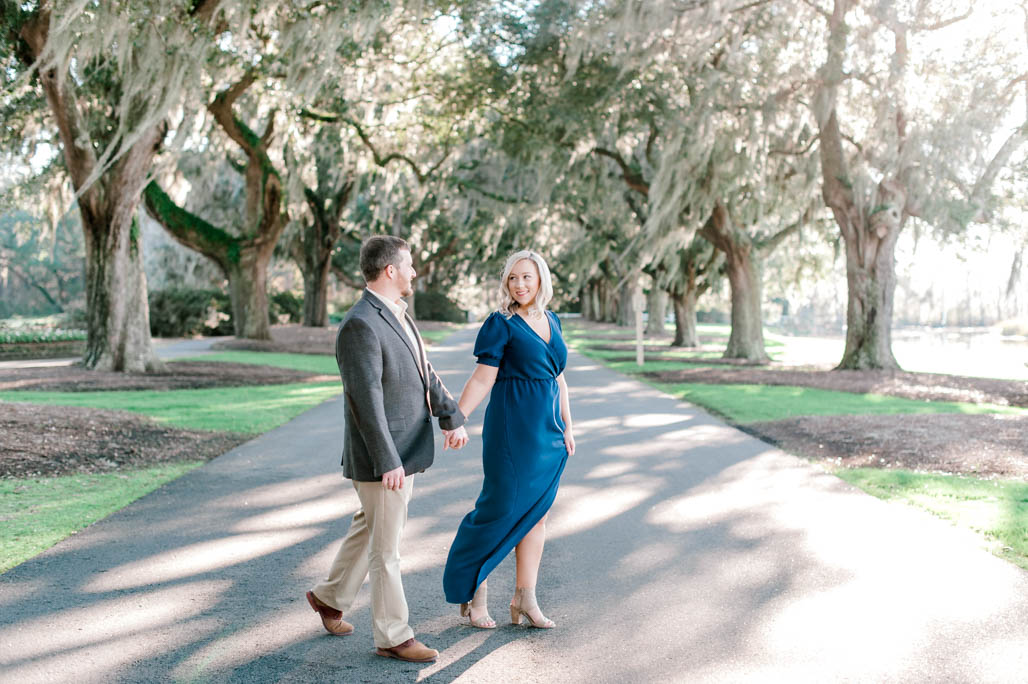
{"type": "Point", "coordinates": [372, 548]}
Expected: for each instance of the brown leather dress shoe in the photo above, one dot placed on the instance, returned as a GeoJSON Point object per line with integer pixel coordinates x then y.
{"type": "Point", "coordinates": [330, 617]}
{"type": "Point", "coordinates": [412, 650]}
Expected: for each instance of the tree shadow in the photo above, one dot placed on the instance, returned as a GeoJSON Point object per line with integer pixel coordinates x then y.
{"type": "Point", "coordinates": [675, 547]}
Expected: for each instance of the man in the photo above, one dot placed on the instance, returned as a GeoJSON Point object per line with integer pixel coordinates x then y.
{"type": "Point", "coordinates": [390, 394]}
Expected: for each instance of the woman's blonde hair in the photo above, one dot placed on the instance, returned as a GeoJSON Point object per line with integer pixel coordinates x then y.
{"type": "Point", "coordinates": [542, 297]}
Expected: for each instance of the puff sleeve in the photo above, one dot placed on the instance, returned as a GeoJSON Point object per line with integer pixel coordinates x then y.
{"type": "Point", "coordinates": [493, 336]}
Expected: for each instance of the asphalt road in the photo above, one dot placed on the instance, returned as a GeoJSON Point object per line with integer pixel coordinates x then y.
{"type": "Point", "coordinates": [679, 550]}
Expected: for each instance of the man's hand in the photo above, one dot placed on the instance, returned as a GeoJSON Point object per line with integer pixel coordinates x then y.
{"type": "Point", "coordinates": [393, 479]}
{"type": "Point", "coordinates": [455, 439]}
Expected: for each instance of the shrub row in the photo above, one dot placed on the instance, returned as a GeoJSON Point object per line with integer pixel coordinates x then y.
{"type": "Point", "coordinates": [33, 335]}
{"type": "Point", "coordinates": [186, 312]}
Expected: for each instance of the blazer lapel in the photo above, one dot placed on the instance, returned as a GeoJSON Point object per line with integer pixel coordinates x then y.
{"type": "Point", "coordinates": [422, 356]}
{"type": "Point", "coordinates": [389, 318]}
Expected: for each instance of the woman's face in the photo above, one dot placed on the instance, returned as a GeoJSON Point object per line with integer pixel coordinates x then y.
{"type": "Point", "coordinates": [523, 282]}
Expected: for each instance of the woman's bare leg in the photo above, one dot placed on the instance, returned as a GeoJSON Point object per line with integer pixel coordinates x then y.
{"type": "Point", "coordinates": [528, 553]}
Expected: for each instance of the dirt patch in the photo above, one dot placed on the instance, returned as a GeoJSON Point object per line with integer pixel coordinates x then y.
{"type": "Point", "coordinates": [180, 375]}
{"type": "Point", "coordinates": [983, 446]}
{"type": "Point", "coordinates": [57, 440]}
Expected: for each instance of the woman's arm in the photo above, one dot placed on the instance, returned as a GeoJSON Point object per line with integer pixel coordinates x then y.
{"type": "Point", "coordinates": [565, 414]}
{"type": "Point", "coordinates": [477, 388]}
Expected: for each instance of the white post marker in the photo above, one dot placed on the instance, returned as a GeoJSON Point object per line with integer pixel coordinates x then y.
{"type": "Point", "coordinates": [638, 303]}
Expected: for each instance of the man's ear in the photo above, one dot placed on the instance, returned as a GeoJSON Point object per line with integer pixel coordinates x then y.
{"type": "Point", "coordinates": [390, 274]}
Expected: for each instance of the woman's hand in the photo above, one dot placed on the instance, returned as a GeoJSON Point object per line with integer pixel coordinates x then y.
{"type": "Point", "coordinates": [569, 442]}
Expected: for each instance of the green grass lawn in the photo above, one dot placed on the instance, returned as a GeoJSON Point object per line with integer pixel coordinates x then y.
{"type": "Point", "coordinates": [37, 513]}
{"type": "Point", "coordinates": [751, 403]}
{"type": "Point", "coordinates": [311, 363]}
{"type": "Point", "coordinates": [433, 336]}
{"type": "Point", "coordinates": [998, 510]}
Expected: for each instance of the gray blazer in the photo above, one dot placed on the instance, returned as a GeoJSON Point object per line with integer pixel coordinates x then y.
{"type": "Point", "coordinates": [389, 401]}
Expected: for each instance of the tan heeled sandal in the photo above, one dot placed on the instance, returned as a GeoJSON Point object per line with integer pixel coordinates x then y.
{"type": "Point", "coordinates": [479, 600]}
{"type": "Point", "coordinates": [521, 605]}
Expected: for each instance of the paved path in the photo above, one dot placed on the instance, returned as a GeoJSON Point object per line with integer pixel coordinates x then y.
{"type": "Point", "coordinates": [680, 550]}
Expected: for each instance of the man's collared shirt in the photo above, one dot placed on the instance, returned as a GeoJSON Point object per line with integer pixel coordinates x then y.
{"type": "Point", "coordinates": [399, 310]}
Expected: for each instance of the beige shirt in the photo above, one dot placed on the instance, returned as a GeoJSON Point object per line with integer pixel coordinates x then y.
{"type": "Point", "coordinates": [399, 310]}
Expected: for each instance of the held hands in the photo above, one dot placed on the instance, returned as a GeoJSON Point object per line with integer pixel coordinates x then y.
{"type": "Point", "coordinates": [455, 439]}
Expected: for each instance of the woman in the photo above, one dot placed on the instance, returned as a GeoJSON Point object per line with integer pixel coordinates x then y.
{"type": "Point", "coordinates": [526, 441]}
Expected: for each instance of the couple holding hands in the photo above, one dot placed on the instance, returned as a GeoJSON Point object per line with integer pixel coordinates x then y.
{"type": "Point", "coordinates": [391, 394]}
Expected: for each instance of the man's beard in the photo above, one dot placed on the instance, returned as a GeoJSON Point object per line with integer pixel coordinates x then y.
{"type": "Point", "coordinates": [407, 291]}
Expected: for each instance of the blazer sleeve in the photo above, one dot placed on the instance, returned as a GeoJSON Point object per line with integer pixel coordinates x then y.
{"type": "Point", "coordinates": [362, 385]}
{"type": "Point", "coordinates": [444, 406]}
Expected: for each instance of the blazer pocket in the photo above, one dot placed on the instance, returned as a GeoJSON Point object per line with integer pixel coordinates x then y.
{"type": "Point", "coordinates": [397, 424]}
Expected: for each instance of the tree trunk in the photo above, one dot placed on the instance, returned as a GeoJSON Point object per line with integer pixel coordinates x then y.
{"type": "Point", "coordinates": [599, 311]}
{"type": "Point", "coordinates": [587, 302]}
{"type": "Point", "coordinates": [747, 338]}
{"type": "Point", "coordinates": [625, 312]}
{"type": "Point", "coordinates": [117, 310]}
{"type": "Point", "coordinates": [315, 295]}
{"type": "Point", "coordinates": [871, 286]}
{"type": "Point", "coordinates": [248, 290]}
{"type": "Point", "coordinates": [685, 319]}
{"type": "Point", "coordinates": [656, 303]}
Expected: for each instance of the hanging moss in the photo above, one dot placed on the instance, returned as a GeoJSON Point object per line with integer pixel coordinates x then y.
{"type": "Point", "coordinates": [189, 227]}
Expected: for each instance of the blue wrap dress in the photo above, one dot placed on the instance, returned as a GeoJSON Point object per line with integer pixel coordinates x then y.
{"type": "Point", "coordinates": [523, 451]}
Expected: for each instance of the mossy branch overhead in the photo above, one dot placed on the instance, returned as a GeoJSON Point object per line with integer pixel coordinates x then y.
{"type": "Point", "coordinates": [191, 230]}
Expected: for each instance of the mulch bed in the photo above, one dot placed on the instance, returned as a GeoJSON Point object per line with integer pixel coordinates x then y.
{"type": "Point", "coordinates": [179, 375]}
{"type": "Point", "coordinates": [983, 446]}
{"type": "Point", "coordinates": [40, 440]}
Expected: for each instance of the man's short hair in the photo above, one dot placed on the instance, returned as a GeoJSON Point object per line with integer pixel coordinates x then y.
{"type": "Point", "coordinates": [377, 252]}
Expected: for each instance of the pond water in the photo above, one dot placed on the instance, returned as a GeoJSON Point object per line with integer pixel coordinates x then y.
{"type": "Point", "coordinates": [978, 352]}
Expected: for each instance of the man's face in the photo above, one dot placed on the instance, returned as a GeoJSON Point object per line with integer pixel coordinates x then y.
{"type": "Point", "coordinates": [405, 274]}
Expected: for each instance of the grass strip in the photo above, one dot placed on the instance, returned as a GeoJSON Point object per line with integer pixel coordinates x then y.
{"type": "Point", "coordinates": [230, 409]}
{"type": "Point", "coordinates": [324, 364]}
{"type": "Point", "coordinates": [997, 509]}
{"type": "Point", "coordinates": [431, 337]}
{"type": "Point", "coordinates": [743, 404]}
{"type": "Point", "coordinates": [37, 513]}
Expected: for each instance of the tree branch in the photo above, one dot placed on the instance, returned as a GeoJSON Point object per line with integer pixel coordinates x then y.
{"type": "Point", "coordinates": [221, 108]}
{"type": "Point", "coordinates": [632, 179]}
{"type": "Point", "coordinates": [78, 151]}
{"type": "Point", "coordinates": [191, 230]}
{"type": "Point", "coordinates": [944, 23]}
{"type": "Point", "coordinates": [393, 156]}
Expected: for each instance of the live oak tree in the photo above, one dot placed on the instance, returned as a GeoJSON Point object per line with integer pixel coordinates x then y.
{"type": "Point", "coordinates": [107, 97]}
{"type": "Point", "coordinates": [908, 129]}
